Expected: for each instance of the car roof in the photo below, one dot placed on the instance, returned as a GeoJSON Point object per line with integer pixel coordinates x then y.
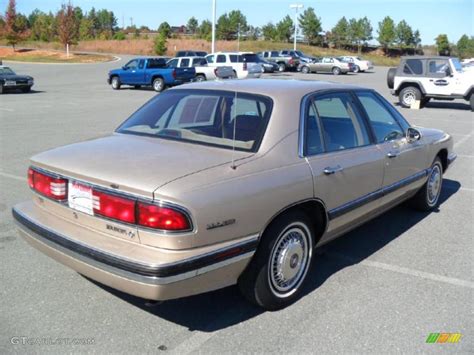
{"type": "Point", "coordinates": [270, 87]}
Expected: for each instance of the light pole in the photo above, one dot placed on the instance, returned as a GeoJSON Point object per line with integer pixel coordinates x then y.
{"type": "Point", "coordinates": [213, 26]}
{"type": "Point", "coordinates": [296, 7]}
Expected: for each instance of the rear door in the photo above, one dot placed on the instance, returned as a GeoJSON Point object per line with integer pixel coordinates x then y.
{"type": "Point", "coordinates": [404, 161]}
{"type": "Point", "coordinates": [347, 167]}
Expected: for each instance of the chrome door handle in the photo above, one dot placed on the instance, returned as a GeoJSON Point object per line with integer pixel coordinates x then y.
{"type": "Point", "coordinates": [333, 170]}
{"type": "Point", "coordinates": [393, 154]}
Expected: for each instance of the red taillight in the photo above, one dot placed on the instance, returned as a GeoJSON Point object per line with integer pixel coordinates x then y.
{"type": "Point", "coordinates": [52, 187]}
{"type": "Point", "coordinates": [159, 217]}
{"type": "Point", "coordinates": [291, 61]}
{"type": "Point", "coordinates": [114, 207]}
{"type": "Point", "coordinates": [174, 74]}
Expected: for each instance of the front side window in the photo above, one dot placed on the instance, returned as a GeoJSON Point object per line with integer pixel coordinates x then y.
{"type": "Point", "coordinates": [132, 64]}
{"type": "Point", "coordinates": [384, 125]}
{"type": "Point", "coordinates": [203, 117]}
{"type": "Point", "coordinates": [437, 67]}
{"type": "Point", "coordinates": [342, 127]}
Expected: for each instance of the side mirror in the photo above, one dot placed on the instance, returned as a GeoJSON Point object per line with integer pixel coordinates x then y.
{"type": "Point", "coordinates": [413, 135]}
{"type": "Point", "coordinates": [124, 68]}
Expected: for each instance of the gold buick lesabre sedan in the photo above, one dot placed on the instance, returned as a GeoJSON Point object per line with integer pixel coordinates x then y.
{"type": "Point", "coordinates": [217, 183]}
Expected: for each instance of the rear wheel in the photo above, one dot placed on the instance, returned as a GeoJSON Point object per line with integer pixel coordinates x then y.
{"type": "Point", "coordinates": [115, 83]}
{"type": "Point", "coordinates": [427, 198]}
{"type": "Point", "coordinates": [200, 77]}
{"type": "Point", "coordinates": [281, 67]}
{"type": "Point", "coordinates": [336, 70]}
{"type": "Point", "coordinates": [409, 95]}
{"type": "Point", "coordinates": [137, 86]}
{"type": "Point", "coordinates": [275, 276]}
{"type": "Point", "coordinates": [158, 84]}
{"type": "Point", "coordinates": [305, 70]}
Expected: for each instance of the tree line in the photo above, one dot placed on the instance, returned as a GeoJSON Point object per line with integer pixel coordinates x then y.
{"type": "Point", "coordinates": [71, 24]}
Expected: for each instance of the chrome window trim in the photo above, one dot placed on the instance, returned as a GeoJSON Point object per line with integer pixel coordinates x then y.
{"type": "Point", "coordinates": [138, 198]}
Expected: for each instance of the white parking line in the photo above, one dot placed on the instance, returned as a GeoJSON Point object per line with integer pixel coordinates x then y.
{"type": "Point", "coordinates": [194, 342]}
{"type": "Point", "coordinates": [462, 140]}
{"type": "Point", "coordinates": [14, 177]}
{"type": "Point", "coordinates": [405, 271]}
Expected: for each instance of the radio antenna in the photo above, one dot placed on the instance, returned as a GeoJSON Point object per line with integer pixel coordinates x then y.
{"type": "Point", "coordinates": [233, 135]}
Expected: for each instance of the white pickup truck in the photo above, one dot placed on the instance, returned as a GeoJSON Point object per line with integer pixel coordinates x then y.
{"type": "Point", "coordinates": [203, 71]}
{"type": "Point", "coordinates": [422, 78]}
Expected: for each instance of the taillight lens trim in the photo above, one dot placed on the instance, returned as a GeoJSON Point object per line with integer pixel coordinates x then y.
{"type": "Point", "coordinates": [47, 184]}
{"type": "Point", "coordinates": [162, 216]}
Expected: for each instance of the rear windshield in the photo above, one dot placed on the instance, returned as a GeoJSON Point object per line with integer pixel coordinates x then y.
{"type": "Point", "coordinates": [6, 71]}
{"type": "Point", "coordinates": [208, 117]}
{"type": "Point", "coordinates": [156, 63]}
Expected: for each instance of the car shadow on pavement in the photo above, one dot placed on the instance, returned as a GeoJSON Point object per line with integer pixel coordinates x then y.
{"type": "Point", "coordinates": [449, 105]}
{"type": "Point", "coordinates": [223, 308]}
{"type": "Point", "coordinates": [19, 92]}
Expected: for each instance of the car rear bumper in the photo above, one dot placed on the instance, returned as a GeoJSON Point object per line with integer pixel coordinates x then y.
{"type": "Point", "coordinates": [186, 276]}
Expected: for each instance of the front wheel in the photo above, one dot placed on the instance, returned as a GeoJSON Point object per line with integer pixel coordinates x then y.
{"type": "Point", "coordinates": [281, 67]}
{"type": "Point", "coordinates": [115, 83]}
{"type": "Point", "coordinates": [158, 84]}
{"type": "Point", "coordinates": [408, 96]}
{"type": "Point", "coordinates": [427, 198]}
{"type": "Point", "coordinates": [274, 277]}
{"type": "Point", "coordinates": [336, 70]}
{"type": "Point", "coordinates": [200, 77]}
{"type": "Point", "coordinates": [305, 70]}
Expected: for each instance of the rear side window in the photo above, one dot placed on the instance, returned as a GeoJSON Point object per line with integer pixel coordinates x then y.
{"type": "Point", "coordinates": [342, 127]}
{"type": "Point", "coordinates": [220, 58]}
{"type": "Point", "coordinates": [384, 124]}
{"type": "Point", "coordinates": [199, 61]}
{"type": "Point", "coordinates": [413, 67]}
{"type": "Point", "coordinates": [156, 63]}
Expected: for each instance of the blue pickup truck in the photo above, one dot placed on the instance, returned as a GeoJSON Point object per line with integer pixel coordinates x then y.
{"type": "Point", "coordinates": [152, 72]}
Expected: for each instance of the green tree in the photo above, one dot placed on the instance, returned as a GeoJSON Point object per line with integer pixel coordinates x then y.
{"type": "Point", "coordinates": [269, 32]}
{"type": "Point", "coordinates": [223, 29]}
{"type": "Point", "coordinates": [86, 28]}
{"type": "Point", "coordinates": [365, 28]}
{"type": "Point", "coordinates": [253, 33]}
{"type": "Point", "coordinates": [192, 25]}
{"type": "Point", "coordinates": [160, 43]}
{"type": "Point", "coordinates": [310, 25]}
{"type": "Point", "coordinates": [236, 19]}
{"type": "Point", "coordinates": [205, 30]}
{"type": "Point", "coordinates": [404, 34]}
{"type": "Point", "coordinates": [165, 29]}
{"type": "Point", "coordinates": [285, 29]}
{"type": "Point", "coordinates": [416, 39]}
{"type": "Point", "coordinates": [442, 44]}
{"type": "Point", "coordinates": [386, 32]}
{"type": "Point", "coordinates": [340, 32]}
{"type": "Point", "coordinates": [44, 27]}
{"type": "Point", "coordinates": [14, 29]}
{"type": "Point", "coordinates": [465, 46]}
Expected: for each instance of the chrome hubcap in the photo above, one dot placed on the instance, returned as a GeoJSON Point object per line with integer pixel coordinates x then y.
{"type": "Point", "coordinates": [290, 260]}
{"type": "Point", "coordinates": [409, 98]}
{"type": "Point", "coordinates": [158, 85]}
{"type": "Point", "coordinates": [434, 184]}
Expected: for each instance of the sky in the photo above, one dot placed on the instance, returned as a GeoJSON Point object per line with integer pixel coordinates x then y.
{"type": "Point", "coordinates": [430, 17]}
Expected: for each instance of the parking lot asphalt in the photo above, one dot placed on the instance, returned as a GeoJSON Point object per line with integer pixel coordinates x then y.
{"type": "Point", "coordinates": [382, 288]}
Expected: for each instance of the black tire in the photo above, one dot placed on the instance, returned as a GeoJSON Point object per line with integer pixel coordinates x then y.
{"type": "Point", "coordinates": [1, 89]}
{"type": "Point", "coordinates": [158, 84]}
{"type": "Point", "coordinates": [408, 95]}
{"type": "Point", "coordinates": [235, 75]}
{"type": "Point", "coordinates": [26, 89]}
{"type": "Point", "coordinates": [424, 101]}
{"type": "Point", "coordinates": [281, 67]}
{"type": "Point", "coordinates": [472, 102]}
{"type": "Point", "coordinates": [356, 69]}
{"type": "Point", "coordinates": [336, 70]}
{"type": "Point", "coordinates": [137, 86]}
{"type": "Point", "coordinates": [427, 198]}
{"type": "Point", "coordinates": [305, 70]}
{"type": "Point", "coordinates": [200, 77]}
{"type": "Point", "coordinates": [290, 240]}
{"type": "Point", "coordinates": [115, 83]}
{"type": "Point", "coordinates": [391, 77]}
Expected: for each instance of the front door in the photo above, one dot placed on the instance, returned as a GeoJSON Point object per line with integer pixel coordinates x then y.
{"type": "Point", "coordinates": [404, 161]}
{"type": "Point", "coordinates": [347, 168]}
{"type": "Point", "coordinates": [438, 79]}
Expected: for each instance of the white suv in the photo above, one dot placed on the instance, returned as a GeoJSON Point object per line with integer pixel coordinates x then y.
{"type": "Point", "coordinates": [421, 78]}
{"type": "Point", "coordinates": [242, 63]}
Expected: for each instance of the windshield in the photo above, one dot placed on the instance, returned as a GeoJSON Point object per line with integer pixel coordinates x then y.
{"type": "Point", "coordinates": [300, 53]}
{"type": "Point", "coordinates": [457, 65]}
{"type": "Point", "coordinates": [6, 71]}
{"type": "Point", "coordinates": [207, 117]}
